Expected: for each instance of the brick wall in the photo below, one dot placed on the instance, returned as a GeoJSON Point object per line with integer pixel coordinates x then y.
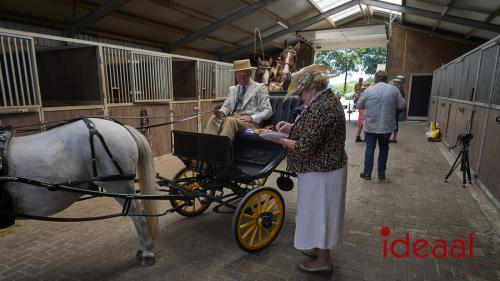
{"type": "Point", "coordinates": [412, 52]}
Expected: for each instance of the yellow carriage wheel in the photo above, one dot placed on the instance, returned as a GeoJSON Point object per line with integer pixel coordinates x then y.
{"type": "Point", "coordinates": [258, 219]}
{"type": "Point", "coordinates": [262, 181]}
{"type": "Point", "coordinates": [195, 206]}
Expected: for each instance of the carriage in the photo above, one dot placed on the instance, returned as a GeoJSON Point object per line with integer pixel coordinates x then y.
{"type": "Point", "coordinates": [213, 166]}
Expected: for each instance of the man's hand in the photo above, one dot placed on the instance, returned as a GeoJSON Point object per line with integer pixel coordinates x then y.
{"type": "Point", "coordinates": [246, 118]}
{"type": "Point", "coordinates": [219, 114]}
{"type": "Point", "coordinates": [283, 127]}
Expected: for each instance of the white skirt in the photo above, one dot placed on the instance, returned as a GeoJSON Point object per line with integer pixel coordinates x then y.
{"type": "Point", "coordinates": [320, 209]}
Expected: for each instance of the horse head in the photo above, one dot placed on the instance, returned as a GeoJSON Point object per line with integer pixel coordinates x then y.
{"type": "Point", "coordinates": [289, 57]}
{"type": "Point", "coordinates": [263, 73]}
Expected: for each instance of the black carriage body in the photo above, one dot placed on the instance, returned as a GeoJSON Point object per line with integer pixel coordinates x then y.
{"type": "Point", "coordinates": [214, 164]}
{"type": "Point", "coordinates": [248, 159]}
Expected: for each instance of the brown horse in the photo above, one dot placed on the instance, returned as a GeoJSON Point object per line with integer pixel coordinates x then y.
{"type": "Point", "coordinates": [277, 75]}
{"type": "Point", "coordinates": [263, 73]}
{"type": "Point", "coordinates": [289, 57]}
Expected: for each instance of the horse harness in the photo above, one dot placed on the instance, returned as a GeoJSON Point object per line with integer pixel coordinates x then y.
{"type": "Point", "coordinates": [7, 216]}
{"type": "Point", "coordinates": [6, 204]}
{"type": "Point", "coordinates": [95, 176]}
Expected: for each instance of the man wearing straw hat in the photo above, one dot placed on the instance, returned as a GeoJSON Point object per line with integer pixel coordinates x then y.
{"type": "Point", "coordinates": [246, 106]}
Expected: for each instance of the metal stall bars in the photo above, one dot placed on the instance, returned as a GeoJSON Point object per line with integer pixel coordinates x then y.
{"type": "Point", "coordinates": [18, 74]}
{"type": "Point", "coordinates": [224, 77]}
{"type": "Point", "coordinates": [206, 80]}
{"type": "Point", "coordinates": [152, 78]}
{"type": "Point", "coordinates": [136, 77]}
{"type": "Point", "coordinates": [117, 68]}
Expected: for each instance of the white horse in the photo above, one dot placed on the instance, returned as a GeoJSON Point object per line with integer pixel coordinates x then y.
{"type": "Point", "coordinates": [64, 153]}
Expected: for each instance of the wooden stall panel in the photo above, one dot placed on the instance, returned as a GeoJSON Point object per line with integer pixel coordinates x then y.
{"type": "Point", "coordinates": [63, 115]}
{"type": "Point", "coordinates": [184, 110]}
{"type": "Point", "coordinates": [488, 172]}
{"type": "Point", "coordinates": [477, 129]}
{"type": "Point", "coordinates": [21, 119]}
{"type": "Point", "coordinates": [206, 106]}
{"type": "Point", "coordinates": [159, 137]}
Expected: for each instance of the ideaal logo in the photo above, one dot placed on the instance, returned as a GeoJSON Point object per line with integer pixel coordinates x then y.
{"type": "Point", "coordinates": [423, 248]}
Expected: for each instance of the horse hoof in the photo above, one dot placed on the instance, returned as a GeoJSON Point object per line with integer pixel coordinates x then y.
{"type": "Point", "coordinates": [148, 261]}
{"type": "Point", "coordinates": [138, 255]}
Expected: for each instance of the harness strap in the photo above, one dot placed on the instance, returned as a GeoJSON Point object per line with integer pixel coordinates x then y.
{"type": "Point", "coordinates": [94, 132]}
{"type": "Point", "coordinates": [5, 137]}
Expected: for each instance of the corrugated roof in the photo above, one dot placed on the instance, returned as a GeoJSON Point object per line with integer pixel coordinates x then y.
{"type": "Point", "coordinates": [166, 22]}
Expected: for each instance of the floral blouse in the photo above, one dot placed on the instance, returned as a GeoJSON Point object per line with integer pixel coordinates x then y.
{"type": "Point", "coordinates": [320, 134]}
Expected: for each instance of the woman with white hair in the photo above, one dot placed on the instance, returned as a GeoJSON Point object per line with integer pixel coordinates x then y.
{"type": "Point", "coordinates": [316, 153]}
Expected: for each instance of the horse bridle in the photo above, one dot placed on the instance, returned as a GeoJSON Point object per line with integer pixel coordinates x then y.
{"type": "Point", "coordinates": [290, 51]}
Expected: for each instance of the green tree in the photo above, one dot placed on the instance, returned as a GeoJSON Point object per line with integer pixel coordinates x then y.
{"type": "Point", "coordinates": [344, 61]}
{"type": "Point", "coordinates": [371, 57]}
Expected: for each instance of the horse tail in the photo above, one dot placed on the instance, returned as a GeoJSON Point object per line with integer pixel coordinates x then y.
{"type": "Point", "coordinates": [147, 180]}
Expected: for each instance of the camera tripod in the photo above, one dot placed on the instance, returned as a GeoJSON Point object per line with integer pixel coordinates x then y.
{"type": "Point", "coordinates": [462, 159]}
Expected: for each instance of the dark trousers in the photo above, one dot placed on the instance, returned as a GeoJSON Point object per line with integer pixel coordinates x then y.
{"type": "Point", "coordinates": [371, 143]}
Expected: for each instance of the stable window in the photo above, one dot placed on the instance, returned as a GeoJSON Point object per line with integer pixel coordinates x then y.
{"type": "Point", "coordinates": [69, 75]}
{"type": "Point", "coordinates": [184, 79]}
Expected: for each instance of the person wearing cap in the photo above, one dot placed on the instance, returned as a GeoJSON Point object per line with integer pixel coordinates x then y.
{"type": "Point", "coordinates": [316, 153]}
{"type": "Point", "coordinates": [247, 105]}
{"type": "Point", "coordinates": [380, 103]}
{"type": "Point", "coordinates": [398, 82]}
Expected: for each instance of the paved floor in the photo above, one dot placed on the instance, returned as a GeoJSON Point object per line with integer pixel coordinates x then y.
{"type": "Point", "coordinates": [413, 199]}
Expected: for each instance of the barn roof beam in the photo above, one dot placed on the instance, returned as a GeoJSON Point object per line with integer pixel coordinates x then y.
{"type": "Point", "coordinates": [443, 13]}
{"type": "Point", "coordinates": [433, 15]}
{"type": "Point", "coordinates": [92, 17]}
{"type": "Point", "coordinates": [490, 17]}
{"type": "Point", "coordinates": [149, 22]}
{"type": "Point", "coordinates": [442, 34]}
{"type": "Point", "coordinates": [183, 9]}
{"type": "Point", "coordinates": [298, 26]}
{"type": "Point", "coordinates": [220, 23]}
{"type": "Point", "coordinates": [43, 21]}
{"type": "Point", "coordinates": [268, 13]}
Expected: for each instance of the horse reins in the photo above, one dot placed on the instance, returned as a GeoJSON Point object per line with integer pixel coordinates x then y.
{"type": "Point", "coordinates": [15, 129]}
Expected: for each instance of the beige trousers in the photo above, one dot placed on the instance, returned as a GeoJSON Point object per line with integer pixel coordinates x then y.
{"type": "Point", "coordinates": [231, 126]}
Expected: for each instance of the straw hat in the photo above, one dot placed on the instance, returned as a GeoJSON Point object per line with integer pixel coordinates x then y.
{"type": "Point", "coordinates": [307, 76]}
{"type": "Point", "coordinates": [242, 65]}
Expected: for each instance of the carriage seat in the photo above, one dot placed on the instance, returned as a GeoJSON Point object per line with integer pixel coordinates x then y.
{"type": "Point", "coordinates": [256, 157]}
